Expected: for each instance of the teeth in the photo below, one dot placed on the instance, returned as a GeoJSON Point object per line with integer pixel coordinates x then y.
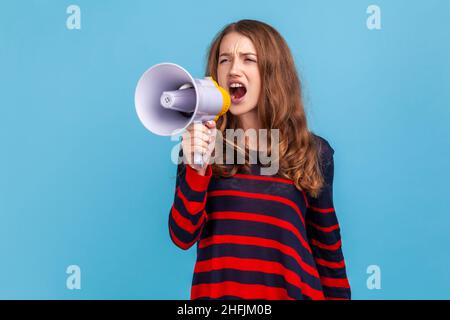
{"type": "Point", "coordinates": [235, 85]}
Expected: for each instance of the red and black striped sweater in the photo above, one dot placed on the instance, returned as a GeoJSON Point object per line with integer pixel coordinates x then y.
{"type": "Point", "coordinates": [259, 237]}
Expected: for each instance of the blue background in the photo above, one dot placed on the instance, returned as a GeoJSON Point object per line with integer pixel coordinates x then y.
{"type": "Point", "coordinates": [82, 181]}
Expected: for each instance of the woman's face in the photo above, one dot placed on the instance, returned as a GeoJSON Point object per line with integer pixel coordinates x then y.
{"type": "Point", "coordinates": [238, 72]}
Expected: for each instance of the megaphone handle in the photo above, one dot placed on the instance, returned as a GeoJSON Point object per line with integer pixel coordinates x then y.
{"type": "Point", "coordinates": [198, 156]}
{"type": "Point", "coordinates": [198, 159]}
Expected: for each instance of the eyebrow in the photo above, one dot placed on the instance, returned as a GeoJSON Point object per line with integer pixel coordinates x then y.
{"type": "Point", "coordinates": [242, 54]}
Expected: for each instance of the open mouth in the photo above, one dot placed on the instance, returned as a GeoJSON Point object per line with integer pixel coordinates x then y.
{"type": "Point", "coordinates": [237, 92]}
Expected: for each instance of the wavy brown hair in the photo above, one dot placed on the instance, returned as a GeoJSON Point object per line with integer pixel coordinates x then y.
{"type": "Point", "coordinates": [280, 106]}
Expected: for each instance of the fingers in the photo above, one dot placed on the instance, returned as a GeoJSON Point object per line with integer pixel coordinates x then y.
{"type": "Point", "coordinates": [195, 149]}
{"type": "Point", "coordinates": [210, 124]}
{"type": "Point", "coordinates": [199, 138]}
{"type": "Point", "coordinates": [200, 142]}
{"type": "Point", "coordinates": [202, 131]}
{"type": "Point", "coordinates": [198, 127]}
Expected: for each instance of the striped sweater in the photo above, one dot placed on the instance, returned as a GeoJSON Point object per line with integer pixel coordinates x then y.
{"type": "Point", "coordinates": [259, 237]}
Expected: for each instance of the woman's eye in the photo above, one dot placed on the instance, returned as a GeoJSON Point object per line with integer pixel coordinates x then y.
{"type": "Point", "coordinates": [250, 60]}
{"type": "Point", "coordinates": [224, 60]}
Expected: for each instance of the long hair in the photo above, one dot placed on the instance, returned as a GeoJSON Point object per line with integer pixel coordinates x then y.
{"type": "Point", "coordinates": [279, 106]}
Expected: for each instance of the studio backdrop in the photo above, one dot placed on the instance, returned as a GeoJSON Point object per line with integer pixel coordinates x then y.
{"type": "Point", "coordinates": [86, 189]}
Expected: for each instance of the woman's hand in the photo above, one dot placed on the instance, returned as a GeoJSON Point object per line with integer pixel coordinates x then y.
{"type": "Point", "coordinates": [200, 138]}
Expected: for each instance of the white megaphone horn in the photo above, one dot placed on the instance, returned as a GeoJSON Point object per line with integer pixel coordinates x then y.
{"type": "Point", "coordinates": [168, 99]}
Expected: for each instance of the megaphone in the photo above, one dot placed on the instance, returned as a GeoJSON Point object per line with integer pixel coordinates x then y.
{"type": "Point", "coordinates": [168, 99]}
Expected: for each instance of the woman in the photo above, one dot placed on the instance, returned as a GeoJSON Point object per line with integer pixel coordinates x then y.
{"type": "Point", "coordinates": [259, 237]}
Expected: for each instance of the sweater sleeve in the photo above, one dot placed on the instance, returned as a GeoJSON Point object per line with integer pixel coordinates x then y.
{"type": "Point", "coordinates": [324, 234]}
{"type": "Point", "coordinates": [187, 214]}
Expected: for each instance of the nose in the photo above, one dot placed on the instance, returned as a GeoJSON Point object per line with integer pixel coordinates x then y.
{"type": "Point", "coordinates": [235, 69]}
